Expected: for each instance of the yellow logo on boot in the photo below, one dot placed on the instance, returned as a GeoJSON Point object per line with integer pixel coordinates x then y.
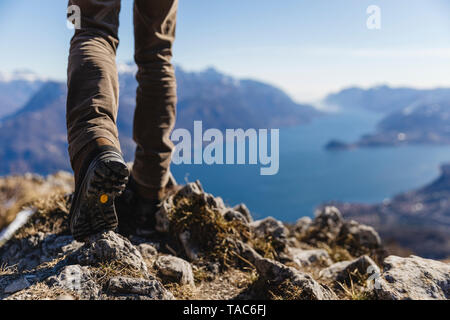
{"type": "Point", "coordinates": [104, 198]}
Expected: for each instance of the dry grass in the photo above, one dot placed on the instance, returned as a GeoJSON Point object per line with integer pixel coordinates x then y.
{"type": "Point", "coordinates": [285, 291]}
{"type": "Point", "coordinates": [107, 270]}
{"type": "Point", "coordinates": [50, 217]}
{"type": "Point", "coordinates": [336, 253]}
{"type": "Point", "coordinates": [41, 291]}
{"type": "Point", "coordinates": [6, 270]}
{"type": "Point", "coordinates": [211, 233]}
{"type": "Point", "coordinates": [265, 247]}
{"type": "Point", "coordinates": [225, 286]}
{"type": "Point", "coordinates": [17, 192]}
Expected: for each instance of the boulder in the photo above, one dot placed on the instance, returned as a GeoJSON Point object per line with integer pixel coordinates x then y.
{"type": "Point", "coordinates": [359, 235]}
{"type": "Point", "coordinates": [304, 258]}
{"type": "Point", "coordinates": [325, 227]}
{"type": "Point", "coordinates": [147, 250]}
{"type": "Point", "coordinates": [233, 215]}
{"type": "Point", "coordinates": [413, 278]}
{"type": "Point", "coordinates": [276, 274]}
{"type": "Point", "coordinates": [151, 289]}
{"type": "Point", "coordinates": [273, 229]}
{"type": "Point", "coordinates": [109, 247]}
{"type": "Point", "coordinates": [242, 208]}
{"type": "Point", "coordinates": [175, 269]}
{"type": "Point", "coordinates": [343, 271]}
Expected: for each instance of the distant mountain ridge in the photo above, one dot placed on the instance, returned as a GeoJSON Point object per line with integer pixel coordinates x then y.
{"type": "Point", "coordinates": [410, 116]}
{"type": "Point", "coordinates": [33, 138]}
{"type": "Point", "coordinates": [384, 99]}
{"type": "Point", "coordinates": [15, 90]}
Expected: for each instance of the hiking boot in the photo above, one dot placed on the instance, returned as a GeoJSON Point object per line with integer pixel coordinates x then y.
{"type": "Point", "coordinates": [102, 179]}
{"type": "Point", "coordinates": [136, 214]}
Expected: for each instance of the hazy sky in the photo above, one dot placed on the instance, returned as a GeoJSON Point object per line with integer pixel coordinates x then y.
{"type": "Point", "coordinates": [306, 47]}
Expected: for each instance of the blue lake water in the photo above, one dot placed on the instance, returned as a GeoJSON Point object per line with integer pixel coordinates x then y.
{"type": "Point", "coordinates": [309, 175]}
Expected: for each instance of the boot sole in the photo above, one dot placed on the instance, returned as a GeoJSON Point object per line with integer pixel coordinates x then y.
{"type": "Point", "coordinates": [93, 209]}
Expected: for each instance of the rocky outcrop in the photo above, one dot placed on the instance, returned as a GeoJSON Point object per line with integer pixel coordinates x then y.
{"type": "Point", "coordinates": [109, 247]}
{"type": "Point", "coordinates": [330, 228]}
{"type": "Point", "coordinates": [413, 278]}
{"type": "Point", "coordinates": [202, 243]}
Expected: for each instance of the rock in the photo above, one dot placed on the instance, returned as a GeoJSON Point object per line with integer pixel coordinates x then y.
{"type": "Point", "coordinates": [302, 224]}
{"type": "Point", "coordinates": [326, 225]}
{"type": "Point", "coordinates": [342, 271]}
{"type": "Point", "coordinates": [17, 286]}
{"type": "Point", "coordinates": [242, 208]}
{"type": "Point", "coordinates": [276, 273]}
{"type": "Point", "coordinates": [359, 235]}
{"type": "Point", "coordinates": [55, 246]}
{"type": "Point", "coordinates": [147, 250]}
{"type": "Point", "coordinates": [413, 278]}
{"type": "Point", "coordinates": [292, 242]}
{"type": "Point", "coordinates": [109, 247]}
{"type": "Point", "coordinates": [175, 269]}
{"type": "Point", "coordinates": [78, 279]}
{"type": "Point", "coordinates": [162, 216]}
{"type": "Point", "coordinates": [194, 188]}
{"type": "Point", "coordinates": [214, 202]}
{"type": "Point", "coordinates": [232, 215]}
{"type": "Point", "coordinates": [190, 250]}
{"type": "Point", "coordinates": [151, 289]}
{"type": "Point", "coordinates": [192, 191]}
{"type": "Point", "coordinates": [272, 228]}
{"type": "Point", "coordinates": [306, 258]}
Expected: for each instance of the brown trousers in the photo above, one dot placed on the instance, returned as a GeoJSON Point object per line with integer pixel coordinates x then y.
{"type": "Point", "coordinates": [93, 89]}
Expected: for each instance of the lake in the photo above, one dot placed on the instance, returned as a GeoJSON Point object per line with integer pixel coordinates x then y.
{"type": "Point", "coordinates": [309, 175]}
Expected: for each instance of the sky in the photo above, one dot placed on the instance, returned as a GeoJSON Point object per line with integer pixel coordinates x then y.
{"type": "Point", "coordinates": [308, 48]}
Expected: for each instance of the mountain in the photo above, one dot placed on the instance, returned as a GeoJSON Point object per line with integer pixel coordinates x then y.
{"type": "Point", "coordinates": [34, 137]}
{"type": "Point", "coordinates": [418, 220]}
{"type": "Point", "coordinates": [204, 250]}
{"type": "Point", "coordinates": [419, 123]}
{"type": "Point", "coordinates": [16, 89]}
{"type": "Point", "coordinates": [384, 99]}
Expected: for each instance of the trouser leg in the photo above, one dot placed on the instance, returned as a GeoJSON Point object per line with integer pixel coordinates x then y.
{"type": "Point", "coordinates": [93, 89]}
{"type": "Point", "coordinates": [155, 24]}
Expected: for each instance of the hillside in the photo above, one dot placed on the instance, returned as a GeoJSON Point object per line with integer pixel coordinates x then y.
{"type": "Point", "coordinates": [33, 138]}
{"type": "Point", "coordinates": [202, 249]}
{"type": "Point", "coordinates": [420, 123]}
{"type": "Point", "coordinates": [384, 99]}
{"type": "Point", "coordinates": [410, 116]}
{"type": "Point", "coordinates": [16, 89]}
{"type": "Point", "coordinates": [418, 220]}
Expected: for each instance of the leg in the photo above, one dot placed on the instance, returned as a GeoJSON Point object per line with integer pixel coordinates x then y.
{"type": "Point", "coordinates": [92, 103]}
{"type": "Point", "coordinates": [93, 89]}
{"type": "Point", "coordinates": [154, 23]}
